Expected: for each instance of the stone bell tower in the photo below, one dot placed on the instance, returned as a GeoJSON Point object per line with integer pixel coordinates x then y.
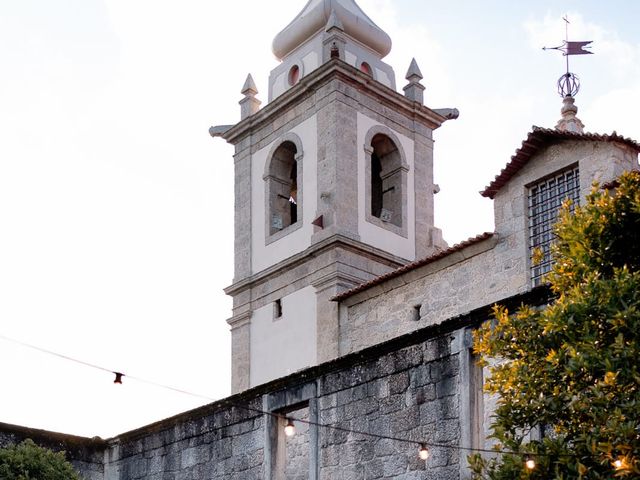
{"type": "Point", "coordinates": [333, 186]}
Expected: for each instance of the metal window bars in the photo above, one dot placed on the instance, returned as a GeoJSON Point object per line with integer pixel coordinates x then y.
{"type": "Point", "coordinates": [545, 200]}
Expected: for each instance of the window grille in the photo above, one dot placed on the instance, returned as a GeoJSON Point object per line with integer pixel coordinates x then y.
{"type": "Point", "coordinates": [545, 199]}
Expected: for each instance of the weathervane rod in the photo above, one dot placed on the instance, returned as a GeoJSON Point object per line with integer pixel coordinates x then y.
{"type": "Point", "coordinates": [566, 36]}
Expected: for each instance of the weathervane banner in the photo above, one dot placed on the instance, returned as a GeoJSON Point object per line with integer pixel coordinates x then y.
{"type": "Point", "coordinates": [577, 48]}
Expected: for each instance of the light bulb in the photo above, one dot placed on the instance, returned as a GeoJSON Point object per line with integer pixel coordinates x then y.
{"type": "Point", "coordinates": [289, 428]}
{"type": "Point", "coordinates": [618, 464]}
{"type": "Point", "coordinates": [423, 452]}
{"type": "Point", "coordinates": [530, 463]}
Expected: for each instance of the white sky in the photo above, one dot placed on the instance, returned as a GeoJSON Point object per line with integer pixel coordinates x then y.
{"type": "Point", "coordinates": [116, 207]}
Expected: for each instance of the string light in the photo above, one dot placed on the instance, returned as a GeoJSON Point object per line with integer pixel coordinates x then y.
{"type": "Point", "coordinates": [423, 452]}
{"type": "Point", "coordinates": [289, 428]}
{"type": "Point", "coordinates": [530, 463]}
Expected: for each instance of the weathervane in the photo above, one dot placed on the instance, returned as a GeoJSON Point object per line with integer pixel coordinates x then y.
{"type": "Point", "coordinates": [569, 83]}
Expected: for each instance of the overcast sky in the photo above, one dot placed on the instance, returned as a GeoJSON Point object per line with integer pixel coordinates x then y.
{"type": "Point", "coordinates": [116, 207]}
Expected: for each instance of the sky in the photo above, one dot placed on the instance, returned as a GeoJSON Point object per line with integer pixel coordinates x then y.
{"type": "Point", "coordinates": [116, 206]}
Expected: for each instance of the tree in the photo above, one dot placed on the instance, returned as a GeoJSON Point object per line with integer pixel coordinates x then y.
{"type": "Point", "coordinates": [572, 369]}
{"type": "Point", "coordinates": [28, 461]}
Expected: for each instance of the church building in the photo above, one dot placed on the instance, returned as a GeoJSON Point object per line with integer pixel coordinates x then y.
{"type": "Point", "coordinates": [352, 318]}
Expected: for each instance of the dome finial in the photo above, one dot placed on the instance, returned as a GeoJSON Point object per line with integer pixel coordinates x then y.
{"type": "Point", "coordinates": [569, 121]}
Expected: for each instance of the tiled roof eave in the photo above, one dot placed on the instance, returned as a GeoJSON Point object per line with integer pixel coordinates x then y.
{"type": "Point", "coordinates": [412, 266]}
{"type": "Point", "coordinates": [538, 138]}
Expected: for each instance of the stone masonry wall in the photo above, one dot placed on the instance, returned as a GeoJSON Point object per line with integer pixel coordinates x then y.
{"type": "Point", "coordinates": [207, 443]}
{"type": "Point", "coordinates": [478, 275]}
{"type": "Point", "coordinates": [411, 392]}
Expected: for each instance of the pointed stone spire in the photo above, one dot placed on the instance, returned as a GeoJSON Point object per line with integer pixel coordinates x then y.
{"type": "Point", "coordinates": [249, 104]}
{"type": "Point", "coordinates": [414, 72]}
{"type": "Point", "coordinates": [569, 121]}
{"type": "Point", "coordinates": [414, 89]}
{"type": "Point", "coordinates": [249, 86]}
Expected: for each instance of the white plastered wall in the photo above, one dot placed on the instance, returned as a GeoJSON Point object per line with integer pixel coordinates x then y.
{"type": "Point", "coordinates": [372, 234]}
{"type": "Point", "coordinates": [280, 346]}
{"type": "Point", "coordinates": [308, 57]}
{"type": "Point", "coordinates": [263, 255]}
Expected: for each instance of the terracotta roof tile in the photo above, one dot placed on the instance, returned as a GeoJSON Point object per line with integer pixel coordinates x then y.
{"type": "Point", "coordinates": [412, 266]}
{"type": "Point", "coordinates": [538, 138]}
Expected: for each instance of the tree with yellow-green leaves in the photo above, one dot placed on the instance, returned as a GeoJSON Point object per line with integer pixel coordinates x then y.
{"type": "Point", "coordinates": [572, 369]}
{"type": "Point", "coordinates": [28, 461]}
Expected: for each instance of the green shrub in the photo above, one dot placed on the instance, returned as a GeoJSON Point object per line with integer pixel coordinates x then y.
{"type": "Point", "coordinates": [573, 367]}
{"type": "Point", "coordinates": [28, 461]}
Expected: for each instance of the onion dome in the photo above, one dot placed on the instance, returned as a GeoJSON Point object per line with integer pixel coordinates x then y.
{"type": "Point", "coordinates": [315, 15]}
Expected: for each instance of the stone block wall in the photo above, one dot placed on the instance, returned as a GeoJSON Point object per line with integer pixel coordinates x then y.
{"type": "Point", "coordinates": [475, 276]}
{"type": "Point", "coordinates": [207, 443]}
{"type": "Point", "coordinates": [410, 392]}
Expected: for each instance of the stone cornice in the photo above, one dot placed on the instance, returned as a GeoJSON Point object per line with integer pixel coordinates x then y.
{"type": "Point", "coordinates": [313, 251]}
{"type": "Point", "coordinates": [335, 279]}
{"type": "Point", "coordinates": [333, 69]}
{"type": "Point", "coordinates": [240, 320]}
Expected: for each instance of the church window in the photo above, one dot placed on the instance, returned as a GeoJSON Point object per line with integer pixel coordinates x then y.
{"type": "Point", "coordinates": [376, 186]}
{"type": "Point", "coordinates": [294, 75]}
{"type": "Point", "coordinates": [545, 200]}
{"type": "Point", "coordinates": [416, 313]}
{"type": "Point", "coordinates": [386, 181]}
{"type": "Point", "coordinates": [283, 194]}
{"type": "Point", "coordinates": [277, 309]}
{"type": "Point", "coordinates": [366, 68]}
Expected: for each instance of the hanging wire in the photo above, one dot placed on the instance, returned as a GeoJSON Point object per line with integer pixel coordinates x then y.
{"type": "Point", "coordinates": [119, 375]}
{"type": "Point", "coordinates": [289, 420]}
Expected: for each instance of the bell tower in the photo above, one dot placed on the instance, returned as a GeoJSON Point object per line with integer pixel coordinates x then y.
{"type": "Point", "coordinates": [333, 186]}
